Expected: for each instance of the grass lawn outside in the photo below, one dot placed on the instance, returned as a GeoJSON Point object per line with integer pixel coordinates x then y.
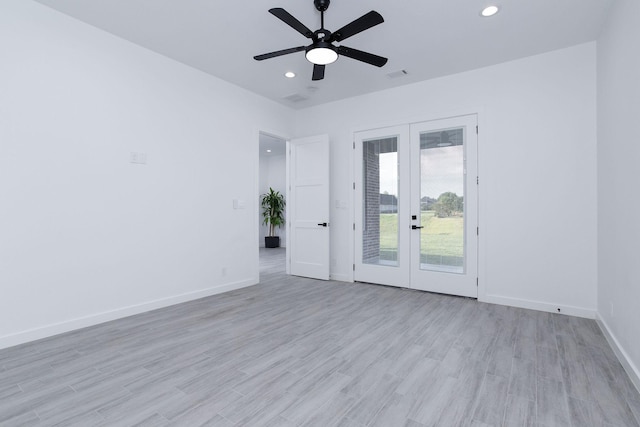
{"type": "Point", "coordinates": [440, 239]}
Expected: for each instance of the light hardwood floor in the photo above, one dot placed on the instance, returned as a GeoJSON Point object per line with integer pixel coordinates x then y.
{"type": "Point", "coordinates": [295, 351]}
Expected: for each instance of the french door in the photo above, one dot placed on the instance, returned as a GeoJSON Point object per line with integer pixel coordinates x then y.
{"type": "Point", "coordinates": [416, 213]}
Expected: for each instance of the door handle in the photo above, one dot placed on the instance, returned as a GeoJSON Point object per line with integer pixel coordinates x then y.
{"type": "Point", "coordinates": [323, 224]}
{"type": "Point", "coordinates": [415, 227]}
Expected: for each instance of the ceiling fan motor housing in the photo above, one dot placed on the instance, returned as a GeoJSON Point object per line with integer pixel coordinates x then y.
{"type": "Point", "coordinates": [321, 44]}
{"type": "Point", "coordinates": [321, 5]}
{"type": "Point", "coordinates": [322, 50]}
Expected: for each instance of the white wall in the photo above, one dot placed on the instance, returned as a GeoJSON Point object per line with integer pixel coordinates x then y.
{"type": "Point", "coordinates": [537, 162]}
{"type": "Point", "coordinates": [618, 159]}
{"type": "Point", "coordinates": [87, 236]}
{"type": "Point", "coordinates": [273, 173]}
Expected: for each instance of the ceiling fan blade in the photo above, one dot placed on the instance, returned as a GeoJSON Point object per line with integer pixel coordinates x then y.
{"type": "Point", "coordinates": [279, 53]}
{"type": "Point", "coordinates": [359, 55]}
{"type": "Point", "coordinates": [288, 19]}
{"type": "Point", "coordinates": [318, 72]}
{"type": "Point", "coordinates": [365, 22]}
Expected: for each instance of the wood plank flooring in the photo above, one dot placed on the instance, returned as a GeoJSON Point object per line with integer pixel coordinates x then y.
{"type": "Point", "coordinates": [300, 352]}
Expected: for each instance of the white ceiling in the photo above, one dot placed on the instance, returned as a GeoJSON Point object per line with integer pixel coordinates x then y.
{"type": "Point", "coordinates": [427, 38]}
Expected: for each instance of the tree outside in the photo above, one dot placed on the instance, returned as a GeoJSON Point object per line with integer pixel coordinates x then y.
{"type": "Point", "coordinates": [449, 204]}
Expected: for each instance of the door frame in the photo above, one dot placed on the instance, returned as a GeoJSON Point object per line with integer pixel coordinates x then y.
{"type": "Point", "coordinates": [257, 215]}
{"type": "Point", "coordinates": [483, 135]}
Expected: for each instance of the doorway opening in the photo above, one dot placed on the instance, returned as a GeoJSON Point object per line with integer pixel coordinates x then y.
{"type": "Point", "coordinates": [272, 175]}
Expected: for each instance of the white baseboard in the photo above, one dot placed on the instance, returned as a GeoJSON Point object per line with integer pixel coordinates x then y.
{"type": "Point", "coordinates": [630, 368]}
{"type": "Point", "coordinates": [342, 277]}
{"type": "Point", "coordinates": [540, 306]}
{"type": "Point", "coordinates": [94, 319]}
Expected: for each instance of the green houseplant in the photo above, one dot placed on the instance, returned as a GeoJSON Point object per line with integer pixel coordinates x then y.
{"type": "Point", "coordinates": [273, 204]}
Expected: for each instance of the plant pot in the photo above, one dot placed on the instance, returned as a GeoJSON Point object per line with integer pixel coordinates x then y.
{"type": "Point", "coordinates": [271, 241]}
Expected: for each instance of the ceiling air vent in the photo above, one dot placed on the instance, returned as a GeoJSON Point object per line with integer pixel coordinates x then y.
{"type": "Point", "coordinates": [296, 97]}
{"type": "Point", "coordinates": [397, 74]}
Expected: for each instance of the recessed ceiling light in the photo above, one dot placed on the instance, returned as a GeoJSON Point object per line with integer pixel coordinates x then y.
{"type": "Point", "coordinates": [489, 11]}
{"type": "Point", "coordinates": [268, 151]}
{"type": "Point", "coordinates": [289, 74]}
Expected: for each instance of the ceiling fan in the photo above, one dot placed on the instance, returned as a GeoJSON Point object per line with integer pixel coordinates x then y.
{"type": "Point", "coordinates": [322, 51]}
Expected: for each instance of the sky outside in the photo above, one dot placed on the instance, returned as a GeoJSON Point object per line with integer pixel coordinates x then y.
{"type": "Point", "coordinates": [442, 170]}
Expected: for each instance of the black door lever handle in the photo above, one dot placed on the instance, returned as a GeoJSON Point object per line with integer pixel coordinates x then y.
{"type": "Point", "coordinates": [415, 227]}
{"type": "Point", "coordinates": [324, 224]}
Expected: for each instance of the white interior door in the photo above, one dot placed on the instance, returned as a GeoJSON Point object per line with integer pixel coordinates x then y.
{"type": "Point", "coordinates": [416, 210]}
{"type": "Point", "coordinates": [308, 207]}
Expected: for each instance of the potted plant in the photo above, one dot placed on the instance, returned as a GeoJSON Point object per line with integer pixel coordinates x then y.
{"type": "Point", "coordinates": [273, 204]}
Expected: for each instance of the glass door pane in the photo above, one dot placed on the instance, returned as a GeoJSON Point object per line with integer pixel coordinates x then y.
{"type": "Point", "coordinates": [380, 202]}
{"type": "Point", "coordinates": [442, 194]}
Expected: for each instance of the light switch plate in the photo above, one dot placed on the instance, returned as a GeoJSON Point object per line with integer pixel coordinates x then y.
{"type": "Point", "coordinates": [138, 158]}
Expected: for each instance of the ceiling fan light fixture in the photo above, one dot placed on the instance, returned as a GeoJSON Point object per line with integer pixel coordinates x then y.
{"type": "Point", "coordinates": [322, 53]}
{"type": "Point", "coordinates": [489, 11]}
